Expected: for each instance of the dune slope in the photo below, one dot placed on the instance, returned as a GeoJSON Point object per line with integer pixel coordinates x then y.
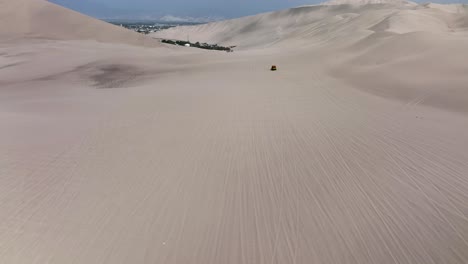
{"type": "Point", "coordinates": [325, 25]}
{"type": "Point", "coordinates": [41, 19]}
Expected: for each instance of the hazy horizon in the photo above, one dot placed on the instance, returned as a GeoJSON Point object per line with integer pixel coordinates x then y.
{"type": "Point", "coordinates": [198, 11]}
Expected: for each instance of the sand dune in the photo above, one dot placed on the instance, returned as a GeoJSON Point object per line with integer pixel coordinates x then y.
{"type": "Point", "coordinates": [354, 151]}
{"type": "Point", "coordinates": [45, 20]}
{"type": "Point", "coordinates": [326, 25]}
{"type": "Point", "coordinates": [410, 52]}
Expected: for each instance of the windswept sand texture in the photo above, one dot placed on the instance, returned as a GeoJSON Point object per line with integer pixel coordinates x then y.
{"type": "Point", "coordinates": [354, 151]}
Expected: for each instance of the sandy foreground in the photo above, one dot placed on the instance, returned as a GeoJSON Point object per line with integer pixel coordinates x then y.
{"type": "Point", "coordinates": [355, 151]}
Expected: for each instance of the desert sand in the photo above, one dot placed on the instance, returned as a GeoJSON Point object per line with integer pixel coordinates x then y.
{"type": "Point", "coordinates": [115, 148]}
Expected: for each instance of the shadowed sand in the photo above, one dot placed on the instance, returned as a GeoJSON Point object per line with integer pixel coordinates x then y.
{"type": "Point", "coordinates": [354, 151]}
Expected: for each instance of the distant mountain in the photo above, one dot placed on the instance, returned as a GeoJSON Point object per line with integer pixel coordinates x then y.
{"type": "Point", "coordinates": [365, 2]}
{"type": "Point", "coordinates": [170, 18]}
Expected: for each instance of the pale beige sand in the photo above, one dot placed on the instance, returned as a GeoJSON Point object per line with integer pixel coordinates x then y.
{"type": "Point", "coordinates": [123, 154]}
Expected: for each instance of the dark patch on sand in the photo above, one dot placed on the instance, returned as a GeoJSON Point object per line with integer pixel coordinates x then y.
{"type": "Point", "coordinates": [104, 75]}
{"type": "Point", "coordinates": [100, 75]}
{"type": "Point", "coordinates": [9, 65]}
{"type": "Point", "coordinates": [114, 75]}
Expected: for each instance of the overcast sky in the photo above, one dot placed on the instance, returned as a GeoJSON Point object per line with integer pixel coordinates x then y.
{"type": "Point", "coordinates": [192, 8]}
